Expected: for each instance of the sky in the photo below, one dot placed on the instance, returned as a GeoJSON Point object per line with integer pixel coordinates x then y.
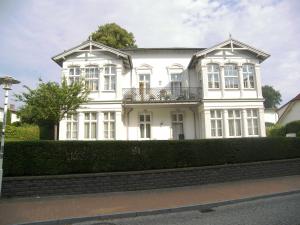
{"type": "Point", "coordinates": [33, 31]}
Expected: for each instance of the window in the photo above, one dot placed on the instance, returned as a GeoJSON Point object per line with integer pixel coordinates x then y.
{"type": "Point", "coordinates": [248, 75]}
{"type": "Point", "coordinates": [252, 121]}
{"type": "Point", "coordinates": [109, 125]}
{"type": "Point", "coordinates": [234, 122]}
{"type": "Point", "coordinates": [216, 123]}
{"type": "Point", "coordinates": [177, 126]}
{"type": "Point", "coordinates": [92, 78]}
{"type": "Point", "coordinates": [145, 125]}
{"type": "Point", "coordinates": [110, 73]}
{"type": "Point", "coordinates": [74, 74]}
{"type": "Point", "coordinates": [213, 74]}
{"type": "Point", "coordinates": [231, 76]}
{"type": "Point", "coordinates": [176, 84]}
{"type": "Point", "coordinates": [90, 125]}
{"type": "Point", "coordinates": [144, 84]}
{"type": "Point", "coordinates": [72, 124]}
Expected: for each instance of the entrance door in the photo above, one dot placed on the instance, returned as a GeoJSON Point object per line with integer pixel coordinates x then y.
{"type": "Point", "coordinates": [144, 85]}
{"type": "Point", "coordinates": [177, 126]}
{"type": "Point", "coordinates": [176, 85]}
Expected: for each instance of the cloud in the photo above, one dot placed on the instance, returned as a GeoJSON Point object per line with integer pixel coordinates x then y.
{"type": "Point", "coordinates": [33, 31]}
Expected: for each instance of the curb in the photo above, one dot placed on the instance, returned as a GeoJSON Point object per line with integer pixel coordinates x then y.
{"type": "Point", "coordinates": [156, 211]}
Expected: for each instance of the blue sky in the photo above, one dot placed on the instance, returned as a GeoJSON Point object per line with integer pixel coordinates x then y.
{"type": "Point", "coordinates": [32, 31]}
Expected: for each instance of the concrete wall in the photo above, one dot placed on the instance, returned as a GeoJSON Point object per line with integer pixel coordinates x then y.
{"type": "Point", "coordinates": [141, 180]}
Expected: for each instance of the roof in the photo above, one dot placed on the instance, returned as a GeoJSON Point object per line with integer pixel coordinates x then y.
{"type": "Point", "coordinates": [93, 46]}
{"type": "Point", "coordinates": [233, 44]}
{"type": "Point", "coordinates": [297, 98]}
{"type": "Point", "coordinates": [163, 49]}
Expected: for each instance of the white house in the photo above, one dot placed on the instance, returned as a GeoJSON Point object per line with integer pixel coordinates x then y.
{"type": "Point", "coordinates": [13, 113]}
{"type": "Point", "coordinates": [290, 111]}
{"type": "Point", "coordinates": [271, 116]}
{"type": "Point", "coordinates": [165, 93]}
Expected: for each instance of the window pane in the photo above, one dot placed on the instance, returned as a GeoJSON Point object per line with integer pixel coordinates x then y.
{"type": "Point", "coordinates": [148, 131]}
{"type": "Point", "coordinates": [180, 117]}
{"type": "Point", "coordinates": [113, 70]}
{"type": "Point", "coordinates": [105, 116]}
{"type": "Point", "coordinates": [86, 130]}
{"type": "Point", "coordinates": [93, 130]}
{"type": "Point", "coordinates": [112, 116]}
{"type": "Point", "coordinates": [148, 118]}
{"type": "Point", "coordinates": [141, 118]}
{"type": "Point", "coordinates": [231, 127]}
{"type": "Point", "coordinates": [238, 128]}
{"type": "Point", "coordinates": [94, 116]}
{"type": "Point", "coordinates": [106, 70]}
{"type": "Point", "coordinates": [86, 116]}
{"type": "Point", "coordinates": [174, 117]}
{"type": "Point", "coordinates": [142, 128]}
{"type": "Point", "coordinates": [106, 82]}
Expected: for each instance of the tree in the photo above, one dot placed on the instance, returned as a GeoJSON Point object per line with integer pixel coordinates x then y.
{"type": "Point", "coordinates": [114, 36]}
{"type": "Point", "coordinates": [51, 102]}
{"type": "Point", "coordinates": [272, 97]}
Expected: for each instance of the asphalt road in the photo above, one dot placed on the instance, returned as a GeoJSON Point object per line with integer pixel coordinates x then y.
{"type": "Point", "coordinates": [282, 210]}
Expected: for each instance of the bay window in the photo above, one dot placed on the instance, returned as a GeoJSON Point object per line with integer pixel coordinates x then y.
{"type": "Point", "coordinates": [110, 73]}
{"type": "Point", "coordinates": [248, 75]}
{"type": "Point", "coordinates": [72, 126]}
{"type": "Point", "coordinates": [92, 78]}
{"type": "Point", "coordinates": [90, 125]}
{"type": "Point", "coordinates": [109, 125]}
{"type": "Point", "coordinates": [234, 123]}
{"type": "Point", "coordinates": [213, 74]}
{"type": "Point", "coordinates": [252, 122]}
{"type": "Point", "coordinates": [216, 123]}
{"type": "Point", "coordinates": [231, 76]}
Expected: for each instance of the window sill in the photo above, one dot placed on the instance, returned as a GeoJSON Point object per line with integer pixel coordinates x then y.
{"type": "Point", "coordinates": [108, 91]}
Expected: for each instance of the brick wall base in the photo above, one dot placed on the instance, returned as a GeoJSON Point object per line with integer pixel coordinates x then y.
{"type": "Point", "coordinates": [141, 180]}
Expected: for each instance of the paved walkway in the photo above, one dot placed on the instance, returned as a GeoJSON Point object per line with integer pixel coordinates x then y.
{"type": "Point", "coordinates": [21, 210]}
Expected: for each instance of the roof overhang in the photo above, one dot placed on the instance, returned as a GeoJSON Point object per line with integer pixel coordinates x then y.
{"type": "Point", "coordinates": [93, 47]}
{"type": "Point", "coordinates": [234, 45]}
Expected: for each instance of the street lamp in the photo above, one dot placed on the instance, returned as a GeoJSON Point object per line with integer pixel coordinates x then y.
{"type": "Point", "coordinates": [6, 82]}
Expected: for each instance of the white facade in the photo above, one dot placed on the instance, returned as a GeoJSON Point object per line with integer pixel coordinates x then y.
{"type": "Point", "coordinates": [271, 116]}
{"type": "Point", "coordinates": [165, 93]}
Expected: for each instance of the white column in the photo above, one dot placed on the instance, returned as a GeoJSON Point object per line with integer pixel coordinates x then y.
{"type": "Point", "coordinates": [100, 126]}
{"type": "Point", "coordinates": [222, 79]}
{"type": "Point", "coordinates": [207, 128]}
{"type": "Point", "coordinates": [205, 81]}
{"type": "Point", "coordinates": [262, 128]}
{"type": "Point", "coordinates": [258, 81]}
{"type": "Point", "coordinates": [80, 126]}
{"type": "Point", "coordinates": [244, 123]}
{"type": "Point", "coordinates": [225, 123]}
{"type": "Point", "coordinates": [241, 84]}
{"type": "Point", "coordinates": [63, 129]}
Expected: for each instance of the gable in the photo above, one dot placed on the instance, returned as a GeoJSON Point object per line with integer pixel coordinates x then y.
{"type": "Point", "coordinates": [93, 49]}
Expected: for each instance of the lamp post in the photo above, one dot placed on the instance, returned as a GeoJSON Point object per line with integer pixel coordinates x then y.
{"type": "Point", "coordinates": [6, 82]}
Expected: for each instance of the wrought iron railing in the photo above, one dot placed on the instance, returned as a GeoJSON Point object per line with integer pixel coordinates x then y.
{"type": "Point", "coordinates": [161, 94]}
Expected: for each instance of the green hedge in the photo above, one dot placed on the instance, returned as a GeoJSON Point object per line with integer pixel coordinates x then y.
{"type": "Point", "coordinates": [65, 157]}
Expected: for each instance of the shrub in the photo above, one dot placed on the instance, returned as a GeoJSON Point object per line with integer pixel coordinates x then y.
{"type": "Point", "coordinates": [276, 131]}
{"type": "Point", "coordinates": [21, 133]}
{"type": "Point", "coordinates": [293, 127]}
{"type": "Point", "coordinates": [65, 157]}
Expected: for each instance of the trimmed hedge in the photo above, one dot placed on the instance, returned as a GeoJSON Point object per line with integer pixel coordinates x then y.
{"type": "Point", "coordinates": [65, 157]}
{"type": "Point", "coordinates": [21, 133]}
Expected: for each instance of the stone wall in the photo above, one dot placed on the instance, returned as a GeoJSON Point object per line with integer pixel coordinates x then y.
{"type": "Point", "coordinates": [141, 180]}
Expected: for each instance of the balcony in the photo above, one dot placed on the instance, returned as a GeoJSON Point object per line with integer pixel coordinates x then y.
{"type": "Point", "coordinates": [152, 95]}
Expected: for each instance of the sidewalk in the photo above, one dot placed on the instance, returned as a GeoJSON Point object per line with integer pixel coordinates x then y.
{"type": "Point", "coordinates": [22, 210]}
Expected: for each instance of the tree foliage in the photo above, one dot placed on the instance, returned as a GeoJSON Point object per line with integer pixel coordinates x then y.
{"type": "Point", "coordinates": [114, 36]}
{"type": "Point", "coordinates": [272, 97]}
{"type": "Point", "coordinates": [51, 101]}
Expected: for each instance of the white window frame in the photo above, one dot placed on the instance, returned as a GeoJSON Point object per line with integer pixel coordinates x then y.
{"type": "Point", "coordinates": [109, 121]}
{"type": "Point", "coordinates": [235, 117]}
{"type": "Point", "coordinates": [145, 123]}
{"type": "Point", "coordinates": [216, 119]}
{"type": "Point", "coordinates": [72, 127]}
{"type": "Point", "coordinates": [252, 122]}
{"type": "Point", "coordinates": [92, 78]}
{"type": "Point", "coordinates": [74, 74]}
{"type": "Point", "coordinates": [231, 76]}
{"type": "Point", "coordinates": [90, 121]}
{"type": "Point", "coordinates": [176, 122]}
{"type": "Point", "coordinates": [110, 77]}
{"type": "Point", "coordinates": [213, 76]}
{"type": "Point", "coordinates": [247, 74]}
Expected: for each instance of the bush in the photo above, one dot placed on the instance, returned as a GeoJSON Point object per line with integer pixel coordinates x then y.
{"type": "Point", "coordinates": [293, 127]}
{"type": "Point", "coordinates": [65, 157]}
{"type": "Point", "coordinates": [21, 133]}
{"type": "Point", "coordinates": [276, 131]}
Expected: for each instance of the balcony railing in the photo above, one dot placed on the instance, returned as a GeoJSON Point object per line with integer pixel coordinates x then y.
{"type": "Point", "coordinates": [132, 95]}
